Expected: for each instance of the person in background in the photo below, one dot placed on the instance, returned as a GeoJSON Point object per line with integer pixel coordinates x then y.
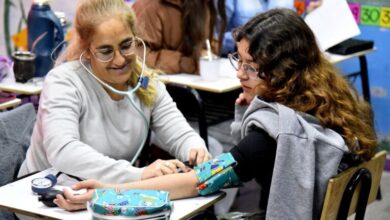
{"type": "Point", "coordinates": [239, 12]}
{"type": "Point", "coordinates": [303, 119]}
{"type": "Point", "coordinates": [175, 32]}
{"type": "Point", "coordinates": [87, 130]}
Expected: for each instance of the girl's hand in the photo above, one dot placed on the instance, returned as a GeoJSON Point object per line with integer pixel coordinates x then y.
{"type": "Point", "coordinates": [244, 98]}
{"type": "Point", "coordinates": [72, 202]}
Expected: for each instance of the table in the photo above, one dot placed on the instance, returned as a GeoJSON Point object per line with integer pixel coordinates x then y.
{"type": "Point", "coordinates": [221, 85]}
{"type": "Point", "coordinates": [205, 101]}
{"type": "Point", "coordinates": [10, 104]}
{"type": "Point", "coordinates": [29, 88]}
{"type": "Point", "coordinates": [18, 197]}
{"type": "Point", "coordinates": [29, 91]}
{"type": "Point", "coordinates": [226, 82]}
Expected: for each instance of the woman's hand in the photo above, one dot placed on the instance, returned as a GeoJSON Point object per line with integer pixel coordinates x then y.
{"type": "Point", "coordinates": [198, 156]}
{"type": "Point", "coordinates": [244, 98]}
{"type": "Point", "coordinates": [73, 202]}
{"type": "Point", "coordinates": [163, 167]}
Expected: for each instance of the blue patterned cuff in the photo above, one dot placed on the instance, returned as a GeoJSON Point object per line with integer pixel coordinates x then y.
{"type": "Point", "coordinates": [216, 174]}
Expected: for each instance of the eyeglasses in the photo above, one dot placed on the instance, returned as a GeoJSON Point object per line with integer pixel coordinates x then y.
{"type": "Point", "coordinates": [106, 54]}
{"type": "Point", "coordinates": [249, 70]}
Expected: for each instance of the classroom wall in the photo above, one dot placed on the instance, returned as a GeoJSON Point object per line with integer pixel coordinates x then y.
{"type": "Point", "coordinates": [379, 76]}
{"type": "Point", "coordinates": [373, 17]}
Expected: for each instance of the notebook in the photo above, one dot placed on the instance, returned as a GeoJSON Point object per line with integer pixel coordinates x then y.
{"type": "Point", "coordinates": [5, 97]}
{"type": "Point", "coordinates": [351, 46]}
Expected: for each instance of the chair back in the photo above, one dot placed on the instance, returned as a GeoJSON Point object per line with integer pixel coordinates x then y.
{"type": "Point", "coordinates": [353, 189]}
{"type": "Point", "coordinates": [16, 126]}
{"type": "Point", "coordinates": [15, 131]}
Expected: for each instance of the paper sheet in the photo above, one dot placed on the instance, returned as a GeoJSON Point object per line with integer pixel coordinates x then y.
{"type": "Point", "coordinates": [332, 23]}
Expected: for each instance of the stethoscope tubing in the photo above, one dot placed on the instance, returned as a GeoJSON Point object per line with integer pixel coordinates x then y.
{"type": "Point", "coordinates": [129, 94]}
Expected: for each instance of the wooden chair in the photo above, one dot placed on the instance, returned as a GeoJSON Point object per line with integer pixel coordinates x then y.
{"type": "Point", "coordinates": [353, 189]}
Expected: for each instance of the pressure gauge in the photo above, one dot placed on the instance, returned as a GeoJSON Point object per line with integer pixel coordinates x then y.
{"type": "Point", "coordinates": [42, 185]}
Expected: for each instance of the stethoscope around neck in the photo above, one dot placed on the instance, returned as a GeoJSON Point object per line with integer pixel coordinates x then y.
{"type": "Point", "coordinates": [142, 81]}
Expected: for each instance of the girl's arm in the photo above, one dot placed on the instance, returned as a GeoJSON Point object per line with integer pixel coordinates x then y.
{"type": "Point", "coordinates": [179, 185]}
{"type": "Point", "coordinates": [212, 175]}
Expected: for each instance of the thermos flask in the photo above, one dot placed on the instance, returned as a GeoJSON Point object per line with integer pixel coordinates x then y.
{"type": "Point", "coordinates": [45, 35]}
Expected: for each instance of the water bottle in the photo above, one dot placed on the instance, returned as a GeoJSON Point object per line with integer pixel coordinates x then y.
{"type": "Point", "coordinates": [45, 36]}
{"type": "Point", "coordinates": [63, 21]}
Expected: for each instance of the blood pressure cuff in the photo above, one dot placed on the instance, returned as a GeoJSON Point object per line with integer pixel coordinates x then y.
{"type": "Point", "coordinates": [216, 174]}
{"type": "Point", "coordinates": [129, 204]}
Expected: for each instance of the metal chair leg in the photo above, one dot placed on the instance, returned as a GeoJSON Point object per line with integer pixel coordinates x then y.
{"type": "Point", "coordinates": [364, 176]}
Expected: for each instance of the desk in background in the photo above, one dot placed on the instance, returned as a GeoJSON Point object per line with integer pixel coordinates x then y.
{"type": "Point", "coordinates": [10, 104]}
{"type": "Point", "coordinates": [29, 88]}
{"type": "Point", "coordinates": [27, 92]}
{"type": "Point", "coordinates": [18, 197]}
{"type": "Point", "coordinates": [226, 82]}
{"type": "Point", "coordinates": [205, 102]}
{"type": "Point", "coordinates": [223, 84]}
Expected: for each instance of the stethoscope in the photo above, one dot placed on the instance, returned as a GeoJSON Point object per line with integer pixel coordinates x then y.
{"type": "Point", "coordinates": [142, 81]}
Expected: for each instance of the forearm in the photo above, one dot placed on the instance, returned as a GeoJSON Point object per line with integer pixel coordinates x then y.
{"type": "Point", "coordinates": [179, 185]}
{"type": "Point", "coordinates": [81, 160]}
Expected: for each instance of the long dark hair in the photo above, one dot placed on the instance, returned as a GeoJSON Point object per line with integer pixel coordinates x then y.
{"type": "Point", "coordinates": [194, 16]}
{"type": "Point", "coordinates": [299, 76]}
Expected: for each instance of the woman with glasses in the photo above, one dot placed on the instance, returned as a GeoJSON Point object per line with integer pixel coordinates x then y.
{"type": "Point", "coordinates": [86, 127]}
{"type": "Point", "coordinates": [296, 119]}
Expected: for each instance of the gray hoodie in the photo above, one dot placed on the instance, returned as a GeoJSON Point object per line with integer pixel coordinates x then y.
{"type": "Point", "coordinates": [307, 156]}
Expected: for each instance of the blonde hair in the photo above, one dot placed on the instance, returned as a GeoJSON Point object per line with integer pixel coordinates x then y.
{"type": "Point", "coordinates": [89, 15]}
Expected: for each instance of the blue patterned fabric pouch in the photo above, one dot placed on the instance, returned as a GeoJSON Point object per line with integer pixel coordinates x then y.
{"type": "Point", "coordinates": [130, 204]}
{"type": "Point", "coordinates": [216, 174]}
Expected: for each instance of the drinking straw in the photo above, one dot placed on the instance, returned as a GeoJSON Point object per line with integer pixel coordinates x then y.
{"type": "Point", "coordinates": [209, 54]}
